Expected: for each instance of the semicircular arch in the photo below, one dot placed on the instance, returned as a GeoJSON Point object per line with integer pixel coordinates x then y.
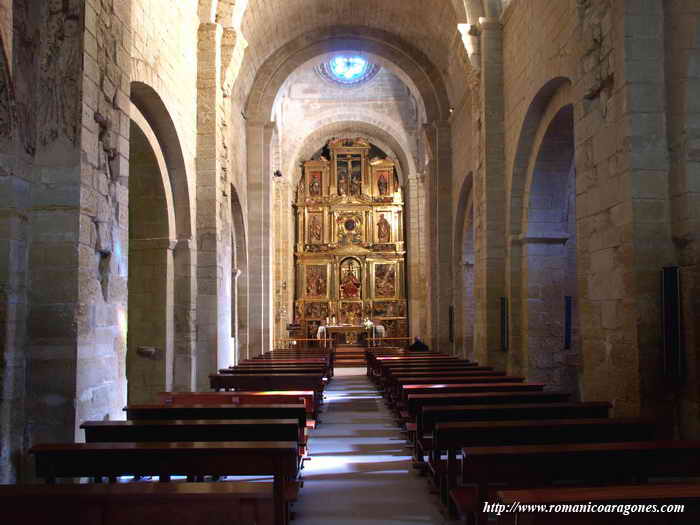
{"type": "Point", "coordinates": [149, 103]}
{"type": "Point", "coordinates": [383, 137]}
{"type": "Point", "coordinates": [409, 64]}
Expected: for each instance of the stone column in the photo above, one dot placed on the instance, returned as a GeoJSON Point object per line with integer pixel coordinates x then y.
{"type": "Point", "coordinates": [258, 137]}
{"type": "Point", "coordinates": [489, 201]}
{"type": "Point", "coordinates": [213, 296]}
{"type": "Point", "coordinates": [440, 199]}
{"type": "Point", "coordinates": [185, 314]}
{"type": "Point", "coordinates": [418, 258]}
{"type": "Point", "coordinates": [15, 191]}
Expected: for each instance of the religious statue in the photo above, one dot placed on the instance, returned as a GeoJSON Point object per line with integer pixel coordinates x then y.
{"type": "Point", "coordinates": [383, 229]}
{"type": "Point", "coordinates": [350, 285]}
{"type": "Point", "coordinates": [315, 229]}
{"type": "Point", "coordinates": [356, 182]}
{"type": "Point", "coordinates": [342, 181]}
{"type": "Point", "coordinates": [383, 185]}
{"type": "Point", "coordinates": [315, 185]}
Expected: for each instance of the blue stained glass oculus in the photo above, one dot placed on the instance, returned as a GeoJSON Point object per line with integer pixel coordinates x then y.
{"type": "Point", "coordinates": [347, 70]}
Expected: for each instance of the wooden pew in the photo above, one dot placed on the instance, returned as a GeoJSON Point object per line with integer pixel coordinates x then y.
{"type": "Point", "coordinates": [320, 370]}
{"type": "Point", "coordinates": [279, 397]}
{"type": "Point", "coordinates": [466, 388]}
{"type": "Point", "coordinates": [414, 402]}
{"type": "Point", "coordinates": [626, 497]}
{"type": "Point", "coordinates": [196, 430]}
{"type": "Point", "coordinates": [394, 391]}
{"type": "Point", "coordinates": [452, 437]}
{"type": "Point", "coordinates": [239, 411]}
{"type": "Point", "coordinates": [223, 412]}
{"type": "Point", "coordinates": [129, 503]}
{"type": "Point", "coordinates": [269, 382]}
{"type": "Point", "coordinates": [386, 373]}
{"type": "Point", "coordinates": [429, 416]}
{"type": "Point", "coordinates": [274, 458]}
{"type": "Point", "coordinates": [538, 465]}
{"type": "Point", "coordinates": [191, 430]}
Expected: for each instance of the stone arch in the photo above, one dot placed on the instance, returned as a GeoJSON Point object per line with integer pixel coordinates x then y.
{"type": "Point", "coordinates": [239, 278]}
{"type": "Point", "coordinates": [154, 110]}
{"type": "Point", "coordinates": [383, 138]}
{"type": "Point", "coordinates": [427, 86]}
{"type": "Point", "coordinates": [151, 113]}
{"type": "Point", "coordinates": [551, 98]}
{"type": "Point", "coordinates": [463, 251]}
{"type": "Point", "coordinates": [549, 256]}
{"type": "Point", "coordinates": [404, 60]}
{"type": "Point", "coordinates": [150, 342]}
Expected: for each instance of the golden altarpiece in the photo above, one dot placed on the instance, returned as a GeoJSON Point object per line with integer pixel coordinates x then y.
{"type": "Point", "coordinates": [350, 253]}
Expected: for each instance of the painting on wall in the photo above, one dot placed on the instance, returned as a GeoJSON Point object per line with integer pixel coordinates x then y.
{"type": "Point", "coordinates": [316, 281]}
{"type": "Point", "coordinates": [389, 309]}
{"type": "Point", "coordinates": [351, 313]}
{"type": "Point", "coordinates": [385, 280]}
{"type": "Point", "coordinates": [316, 310]}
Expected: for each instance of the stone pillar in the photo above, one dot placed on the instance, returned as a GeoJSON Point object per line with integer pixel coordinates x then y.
{"type": "Point", "coordinates": [184, 360]}
{"type": "Point", "coordinates": [213, 296]}
{"type": "Point", "coordinates": [440, 199]}
{"type": "Point", "coordinates": [418, 258]}
{"type": "Point", "coordinates": [489, 201]}
{"type": "Point", "coordinates": [258, 137]}
{"type": "Point", "coordinates": [78, 120]}
{"type": "Point", "coordinates": [15, 191]}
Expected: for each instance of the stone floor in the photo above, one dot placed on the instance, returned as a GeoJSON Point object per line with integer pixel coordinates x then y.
{"type": "Point", "coordinates": [360, 471]}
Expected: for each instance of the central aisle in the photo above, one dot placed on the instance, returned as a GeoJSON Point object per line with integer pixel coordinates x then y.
{"type": "Point", "coordinates": [360, 471]}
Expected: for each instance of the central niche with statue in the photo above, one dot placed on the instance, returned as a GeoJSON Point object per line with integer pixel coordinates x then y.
{"type": "Point", "coordinates": [350, 253]}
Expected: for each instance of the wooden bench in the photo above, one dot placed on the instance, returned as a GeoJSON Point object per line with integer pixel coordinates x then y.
{"type": "Point", "coordinates": [191, 430]}
{"type": "Point", "coordinates": [274, 458]}
{"type": "Point", "coordinates": [129, 503]}
{"type": "Point", "coordinates": [467, 388]}
{"type": "Point", "coordinates": [414, 402]}
{"type": "Point", "coordinates": [538, 465]}
{"type": "Point", "coordinates": [629, 496]}
{"type": "Point", "coordinates": [277, 369]}
{"type": "Point", "coordinates": [394, 390]}
{"type": "Point", "coordinates": [239, 411]}
{"type": "Point", "coordinates": [429, 416]}
{"type": "Point", "coordinates": [269, 382]}
{"type": "Point", "coordinates": [279, 397]}
{"type": "Point", "coordinates": [452, 437]}
{"type": "Point", "coordinates": [386, 373]}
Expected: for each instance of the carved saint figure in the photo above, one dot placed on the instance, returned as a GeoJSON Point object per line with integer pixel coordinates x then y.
{"type": "Point", "coordinates": [383, 229]}
{"type": "Point", "coordinates": [356, 183]}
{"type": "Point", "coordinates": [350, 284]}
{"type": "Point", "coordinates": [315, 184]}
{"type": "Point", "coordinates": [315, 229]}
{"type": "Point", "coordinates": [383, 185]}
{"type": "Point", "coordinates": [343, 181]}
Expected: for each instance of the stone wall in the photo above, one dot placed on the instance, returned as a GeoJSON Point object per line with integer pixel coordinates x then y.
{"type": "Point", "coordinates": [682, 69]}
